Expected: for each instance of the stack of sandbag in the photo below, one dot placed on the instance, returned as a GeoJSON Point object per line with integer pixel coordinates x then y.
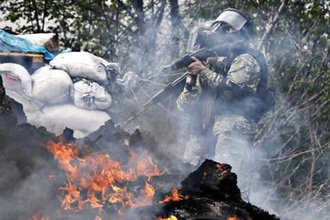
{"type": "Point", "coordinates": [46, 97]}
{"type": "Point", "coordinates": [92, 75]}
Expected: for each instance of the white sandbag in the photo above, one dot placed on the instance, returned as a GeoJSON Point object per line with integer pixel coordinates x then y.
{"type": "Point", "coordinates": [18, 84]}
{"type": "Point", "coordinates": [57, 117]}
{"type": "Point", "coordinates": [83, 65]}
{"type": "Point", "coordinates": [90, 95]}
{"type": "Point", "coordinates": [51, 86]}
{"type": "Point", "coordinates": [15, 78]}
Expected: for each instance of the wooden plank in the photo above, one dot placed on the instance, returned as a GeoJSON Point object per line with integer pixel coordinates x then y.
{"type": "Point", "coordinates": [31, 61]}
{"type": "Point", "coordinates": [36, 57]}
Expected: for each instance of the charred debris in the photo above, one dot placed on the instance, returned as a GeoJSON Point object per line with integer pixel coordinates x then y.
{"type": "Point", "coordinates": [208, 192]}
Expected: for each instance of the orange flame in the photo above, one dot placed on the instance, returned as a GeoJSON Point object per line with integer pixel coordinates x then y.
{"type": "Point", "coordinates": [103, 179]}
{"type": "Point", "coordinates": [234, 218]}
{"type": "Point", "coordinates": [176, 196]}
{"type": "Point", "coordinates": [172, 217]}
{"type": "Point", "coordinates": [40, 217]}
{"type": "Point", "coordinates": [98, 218]}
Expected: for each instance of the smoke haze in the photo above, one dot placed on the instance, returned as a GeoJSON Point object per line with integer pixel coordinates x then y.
{"type": "Point", "coordinates": [165, 128]}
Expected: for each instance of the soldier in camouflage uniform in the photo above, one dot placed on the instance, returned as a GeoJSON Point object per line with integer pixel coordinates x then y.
{"type": "Point", "coordinates": [235, 84]}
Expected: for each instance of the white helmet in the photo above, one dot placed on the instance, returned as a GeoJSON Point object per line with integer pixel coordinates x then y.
{"type": "Point", "coordinates": [235, 20]}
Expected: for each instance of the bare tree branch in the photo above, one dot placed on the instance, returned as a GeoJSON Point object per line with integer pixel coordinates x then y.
{"type": "Point", "coordinates": [140, 19]}
{"type": "Point", "coordinates": [271, 24]}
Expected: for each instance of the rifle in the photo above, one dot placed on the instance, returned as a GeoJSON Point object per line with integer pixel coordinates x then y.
{"type": "Point", "coordinates": [201, 54]}
{"type": "Point", "coordinates": [158, 97]}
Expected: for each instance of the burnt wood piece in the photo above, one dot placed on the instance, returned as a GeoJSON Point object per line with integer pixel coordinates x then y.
{"type": "Point", "coordinates": [213, 180]}
{"type": "Point", "coordinates": [2, 91]}
{"type": "Point", "coordinates": [110, 140]}
{"type": "Point", "coordinates": [67, 135]}
{"type": "Point", "coordinates": [196, 207]}
{"type": "Point", "coordinates": [7, 115]}
{"type": "Point", "coordinates": [211, 192]}
{"type": "Point", "coordinates": [4, 102]}
{"type": "Point", "coordinates": [10, 106]}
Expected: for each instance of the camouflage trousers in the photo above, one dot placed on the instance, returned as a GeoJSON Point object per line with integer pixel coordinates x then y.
{"type": "Point", "coordinates": [230, 140]}
{"type": "Point", "coordinates": [235, 136]}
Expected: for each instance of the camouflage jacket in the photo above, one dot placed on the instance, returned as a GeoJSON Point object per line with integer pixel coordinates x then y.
{"type": "Point", "coordinates": [240, 81]}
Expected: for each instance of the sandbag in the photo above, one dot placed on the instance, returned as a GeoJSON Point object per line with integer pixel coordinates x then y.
{"type": "Point", "coordinates": [90, 95]}
{"type": "Point", "coordinates": [51, 86]}
{"type": "Point", "coordinates": [15, 78]}
{"type": "Point", "coordinates": [57, 117]}
{"type": "Point", "coordinates": [82, 65]}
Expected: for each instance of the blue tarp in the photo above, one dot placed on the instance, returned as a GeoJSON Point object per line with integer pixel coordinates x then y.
{"type": "Point", "coordinates": [10, 42]}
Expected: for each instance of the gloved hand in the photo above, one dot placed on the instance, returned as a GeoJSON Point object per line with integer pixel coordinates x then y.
{"type": "Point", "coordinates": [195, 67]}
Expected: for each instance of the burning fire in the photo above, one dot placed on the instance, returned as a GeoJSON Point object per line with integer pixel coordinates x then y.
{"type": "Point", "coordinates": [172, 217]}
{"type": "Point", "coordinates": [96, 180]}
{"type": "Point", "coordinates": [176, 196]}
{"type": "Point", "coordinates": [40, 217]}
{"type": "Point", "coordinates": [233, 218]}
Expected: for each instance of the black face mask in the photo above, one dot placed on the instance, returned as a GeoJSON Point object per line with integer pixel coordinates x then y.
{"type": "Point", "coordinates": [211, 39]}
{"type": "Point", "coordinates": [231, 37]}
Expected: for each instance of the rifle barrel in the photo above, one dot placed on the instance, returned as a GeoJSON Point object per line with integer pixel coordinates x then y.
{"type": "Point", "coordinates": [158, 97]}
